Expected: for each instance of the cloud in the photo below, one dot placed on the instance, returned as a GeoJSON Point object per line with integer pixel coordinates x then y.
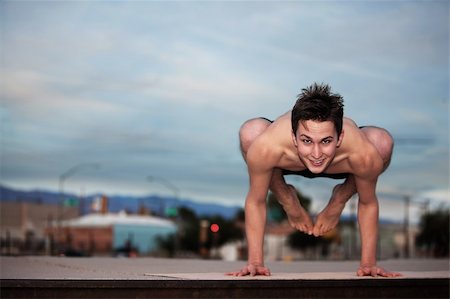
{"type": "Point", "coordinates": [162, 87]}
{"type": "Point", "coordinates": [441, 197]}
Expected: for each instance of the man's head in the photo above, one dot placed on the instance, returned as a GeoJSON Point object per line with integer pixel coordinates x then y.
{"type": "Point", "coordinates": [317, 119]}
{"type": "Point", "coordinates": [317, 103]}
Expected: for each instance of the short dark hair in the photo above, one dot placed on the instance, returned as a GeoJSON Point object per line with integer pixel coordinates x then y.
{"type": "Point", "coordinates": [317, 103]}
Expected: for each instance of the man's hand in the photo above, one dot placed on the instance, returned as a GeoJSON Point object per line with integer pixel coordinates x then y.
{"type": "Point", "coordinates": [251, 270]}
{"type": "Point", "coordinates": [375, 271]}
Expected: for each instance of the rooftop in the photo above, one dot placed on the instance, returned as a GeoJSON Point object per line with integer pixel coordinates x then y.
{"type": "Point", "coordinates": [109, 219]}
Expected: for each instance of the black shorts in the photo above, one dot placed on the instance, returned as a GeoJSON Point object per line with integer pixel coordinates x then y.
{"type": "Point", "coordinates": [308, 174]}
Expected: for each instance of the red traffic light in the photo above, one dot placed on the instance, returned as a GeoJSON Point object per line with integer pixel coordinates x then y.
{"type": "Point", "coordinates": [214, 227]}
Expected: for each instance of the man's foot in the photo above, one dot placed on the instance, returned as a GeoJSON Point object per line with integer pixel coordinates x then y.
{"type": "Point", "coordinates": [329, 217]}
{"type": "Point", "coordinates": [298, 217]}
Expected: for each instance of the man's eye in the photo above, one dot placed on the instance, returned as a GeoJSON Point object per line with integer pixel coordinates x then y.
{"type": "Point", "coordinates": [306, 141]}
{"type": "Point", "coordinates": [326, 141]}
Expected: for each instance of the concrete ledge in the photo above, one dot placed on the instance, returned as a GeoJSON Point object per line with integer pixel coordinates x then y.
{"type": "Point", "coordinates": [298, 276]}
{"type": "Point", "coordinates": [237, 288]}
{"type": "Point", "coordinates": [51, 277]}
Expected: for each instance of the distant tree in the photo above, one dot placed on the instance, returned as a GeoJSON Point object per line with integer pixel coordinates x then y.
{"type": "Point", "coordinates": [240, 215]}
{"type": "Point", "coordinates": [189, 232]}
{"type": "Point", "coordinates": [189, 229]}
{"type": "Point", "coordinates": [434, 232]}
{"type": "Point", "coordinates": [166, 244]}
{"type": "Point", "coordinates": [301, 240]}
{"type": "Point", "coordinates": [276, 212]}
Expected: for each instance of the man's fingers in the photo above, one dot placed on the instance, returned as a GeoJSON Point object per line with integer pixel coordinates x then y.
{"type": "Point", "coordinates": [265, 272]}
{"type": "Point", "coordinates": [362, 271]}
{"type": "Point", "coordinates": [243, 272]}
{"type": "Point", "coordinates": [250, 270]}
{"type": "Point", "coordinates": [375, 272]}
{"type": "Point", "coordinates": [390, 274]}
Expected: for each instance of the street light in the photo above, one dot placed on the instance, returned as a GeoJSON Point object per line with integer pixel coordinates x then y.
{"type": "Point", "coordinates": [64, 176]}
{"type": "Point", "coordinates": [70, 172]}
{"type": "Point", "coordinates": [168, 185]}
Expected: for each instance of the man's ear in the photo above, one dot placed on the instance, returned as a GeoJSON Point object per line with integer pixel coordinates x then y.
{"type": "Point", "coordinates": [341, 137]}
{"type": "Point", "coordinates": [294, 138]}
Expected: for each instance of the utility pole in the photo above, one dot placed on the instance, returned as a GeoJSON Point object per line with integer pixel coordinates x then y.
{"type": "Point", "coordinates": [353, 228]}
{"type": "Point", "coordinates": [169, 186]}
{"type": "Point", "coordinates": [62, 178]}
{"type": "Point", "coordinates": [406, 227]}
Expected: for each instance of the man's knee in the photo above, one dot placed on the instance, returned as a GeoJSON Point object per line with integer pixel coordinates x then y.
{"type": "Point", "coordinates": [250, 130]}
{"type": "Point", "coordinates": [383, 142]}
{"type": "Point", "coordinates": [386, 145]}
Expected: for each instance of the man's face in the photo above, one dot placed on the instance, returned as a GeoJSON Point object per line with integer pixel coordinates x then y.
{"type": "Point", "coordinates": [316, 144]}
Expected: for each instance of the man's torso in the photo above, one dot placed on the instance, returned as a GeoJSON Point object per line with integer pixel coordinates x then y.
{"type": "Point", "coordinates": [279, 150]}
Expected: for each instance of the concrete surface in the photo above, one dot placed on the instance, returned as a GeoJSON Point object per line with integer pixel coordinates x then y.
{"type": "Point", "coordinates": [153, 268]}
{"type": "Point", "coordinates": [59, 277]}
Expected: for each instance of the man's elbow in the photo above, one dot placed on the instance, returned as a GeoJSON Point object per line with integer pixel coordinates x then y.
{"type": "Point", "coordinates": [368, 201]}
{"type": "Point", "coordinates": [255, 201]}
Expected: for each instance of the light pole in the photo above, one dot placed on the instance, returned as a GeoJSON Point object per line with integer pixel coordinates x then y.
{"type": "Point", "coordinates": [64, 176]}
{"type": "Point", "coordinates": [406, 249]}
{"type": "Point", "coordinates": [176, 193]}
{"type": "Point", "coordinates": [168, 185]}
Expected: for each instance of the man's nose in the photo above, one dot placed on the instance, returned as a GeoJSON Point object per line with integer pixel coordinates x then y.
{"type": "Point", "coordinates": [317, 152]}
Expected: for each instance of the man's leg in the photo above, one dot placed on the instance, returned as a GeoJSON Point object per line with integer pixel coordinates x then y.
{"type": "Point", "coordinates": [383, 142]}
{"type": "Point", "coordinates": [286, 194]}
{"type": "Point", "coordinates": [249, 131]}
{"type": "Point", "coordinates": [329, 217]}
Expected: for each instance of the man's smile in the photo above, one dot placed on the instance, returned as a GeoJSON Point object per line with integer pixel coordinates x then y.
{"type": "Point", "coordinates": [317, 162]}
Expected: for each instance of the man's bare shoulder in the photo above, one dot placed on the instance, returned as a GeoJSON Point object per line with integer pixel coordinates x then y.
{"type": "Point", "coordinates": [368, 164]}
{"type": "Point", "coordinates": [364, 159]}
{"type": "Point", "coordinates": [269, 147]}
{"type": "Point", "coordinates": [263, 154]}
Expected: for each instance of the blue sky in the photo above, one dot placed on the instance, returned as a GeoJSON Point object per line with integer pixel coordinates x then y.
{"type": "Point", "coordinates": [150, 88]}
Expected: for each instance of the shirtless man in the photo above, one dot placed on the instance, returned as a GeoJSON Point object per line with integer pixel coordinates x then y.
{"type": "Point", "coordinates": [313, 140]}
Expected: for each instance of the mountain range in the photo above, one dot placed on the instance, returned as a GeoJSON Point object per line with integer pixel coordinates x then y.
{"type": "Point", "coordinates": [118, 203]}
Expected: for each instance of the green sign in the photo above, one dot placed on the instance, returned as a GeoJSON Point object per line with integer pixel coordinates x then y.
{"type": "Point", "coordinates": [70, 202]}
{"type": "Point", "coordinates": [171, 212]}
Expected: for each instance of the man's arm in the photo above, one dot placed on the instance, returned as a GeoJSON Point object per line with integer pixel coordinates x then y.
{"type": "Point", "coordinates": [255, 215]}
{"type": "Point", "coordinates": [368, 223]}
{"type": "Point", "coordinates": [368, 220]}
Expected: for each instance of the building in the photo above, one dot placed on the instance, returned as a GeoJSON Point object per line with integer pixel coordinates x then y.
{"type": "Point", "coordinates": [105, 233]}
{"type": "Point", "coordinates": [23, 225]}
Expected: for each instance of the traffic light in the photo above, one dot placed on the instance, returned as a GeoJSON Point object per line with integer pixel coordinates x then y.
{"type": "Point", "coordinates": [214, 227]}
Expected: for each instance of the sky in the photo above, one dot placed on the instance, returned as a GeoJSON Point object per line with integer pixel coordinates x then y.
{"type": "Point", "coordinates": [120, 91]}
